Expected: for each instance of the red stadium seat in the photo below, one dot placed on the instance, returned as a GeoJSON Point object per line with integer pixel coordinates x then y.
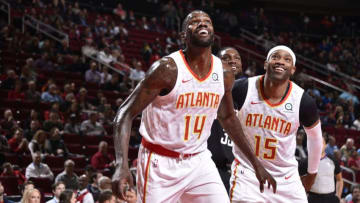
{"type": "Point", "coordinates": [54, 161]}
{"type": "Point", "coordinates": [10, 185]}
{"type": "Point", "coordinates": [43, 184]}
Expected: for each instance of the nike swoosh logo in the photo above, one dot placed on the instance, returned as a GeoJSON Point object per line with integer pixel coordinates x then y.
{"type": "Point", "coordinates": [255, 102]}
{"type": "Point", "coordinates": [185, 81]}
{"type": "Point", "coordinates": [287, 177]}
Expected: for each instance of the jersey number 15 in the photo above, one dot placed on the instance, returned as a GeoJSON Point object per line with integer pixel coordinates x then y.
{"type": "Point", "coordinates": [269, 145]}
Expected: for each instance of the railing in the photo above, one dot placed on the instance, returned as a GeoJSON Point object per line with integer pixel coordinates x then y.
{"type": "Point", "coordinates": [308, 63]}
{"type": "Point", "coordinates": [348, 170]}
{"type": "Point", "coordinates": [100, 62]}
{"type": "Point", "coordinates": [8, 10]}
{"type": "Point", "coordinates": [44, 28]}
{"type": "Point", "coordinates": [250, 52]}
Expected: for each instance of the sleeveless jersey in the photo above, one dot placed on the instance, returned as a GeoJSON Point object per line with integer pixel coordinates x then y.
{"type": "Point", "coordinates": [271, 128]}
{"type": "Point", "coordinates": [181, 120]}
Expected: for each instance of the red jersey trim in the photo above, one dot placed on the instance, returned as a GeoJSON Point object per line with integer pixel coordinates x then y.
{"type": "Point", "coordinates": [192, 73]}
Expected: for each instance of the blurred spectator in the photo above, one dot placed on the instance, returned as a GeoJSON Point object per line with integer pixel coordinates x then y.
{"type": "Point", "coordinates": [105, 56]}
{"type": "Point", "coordinates": [68, 196]}
{"type": "Point", "coordinates": [67, 90]}
{"type": "Point", "coordinates": [131, 195]}
{"type": "Point", "coordinates": [88, 49]}
{"type": "Point", "coordinates": [16, 93]}
{"type": "Point", "coordinates": [57, 189]}
{"type": "Point", "coordinates": [31, 196]}
{"type": "Point", "coordinates": [44, 63]}
{"type": "Point", "coordinates": [8, 170]}
{"type": "Point", "coordinates": [102, 159]}
{"type": "Point", "coordinates": [36, 169]}
{"type": "Point", "coordinates": [105, 75]}
{"type": "Point", "coordinates": [108, 115]}
{"type": "Point", "coordinates": [56, 146]}
{"type": "Point", "coordinates": [107, 197]}
{"type": "Point", "coordinates": [350, 96]}
{"type": "Point", "coordinates": [27, 74]}
{"type": "Point", "coordinates": [68, 176]}
{"type": "Point", "coordinates": [54, 121]}
{"type": "Point", "coordinates": [9, 82]}
{"type": "Point", "coordinates": [18, 143]}
{"type": "Point", "coordinates": [72, 126]}
{"type": "Point", "coordinates": [3, 197]}
{"type": "Point", "coordinates": [355, 195]}
{"type": "Point", "coordinates": [38, 143]}
{"type": "Point", "coordinates": [4, 146]}
{"type": "Point", "coordinates": [55, 107]}
{"type": "Point", "coordinates": [170, 14]}
{"type": "Point", "coordinates": [119, 11]}
{"type": "Point", "coordinates": [92, 126]}
{"type": "Point", "coordinates": [93, 75]}
{"type": "Point", "coordinates": [347, 149]}
{"type": "Point", "coordinates": [31, 93]}
{"type": "Point", "coordinates": [300, 152]}
{"type": "Point", "coordinates": [115, 84]}
{"type": "Point", "coordinates": [93, 186]}
{"type": "Point", "coordinates": [52, 95]}
{"type": "Point", "coordinates": [146, 52]}
{"type": "Point", "coordinates": [84, 196]}
{"type": "Point", "coordinates": [83, 100]}
{"type": "Point", "coordinates": [104, 183]}
{"type": "Point", "coordinates": [356, 123]}
{"type": "Point", "coordinates": [46, 86]}
{"type": "Point", "coordinates": [137, 74]}
{"type": "Point", "coordinates": [354, 161]}
{"type": "Point", "coordinates": [331, 146]}
{"type": "Point", "coordinates": [8, 122]}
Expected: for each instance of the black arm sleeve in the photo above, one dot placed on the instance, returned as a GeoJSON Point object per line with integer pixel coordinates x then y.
{"type": "Point", "coordinates": [239, 92]}
{"type": "Point", "coordinates": [308, 111]}
{"type": "Point", "coordinates": [337, 165]}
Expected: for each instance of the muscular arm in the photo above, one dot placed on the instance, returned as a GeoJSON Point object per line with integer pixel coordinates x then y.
{"type": "Point", "coordinates": [339, 185]}
{"type": "Point", "coordinates": [231, 124]}
{"type": "Point", "coordinates": [161, 76]}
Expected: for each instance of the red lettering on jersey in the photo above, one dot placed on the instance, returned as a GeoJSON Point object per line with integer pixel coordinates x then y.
{"type": "Point", "coordinates": [282, 125]}
{"type": "Point", "coordinates": [260, 121]}
{"type": "Point", "coordinates": [217, 98]}
{"type": "Point", "coordinates": [255, 118]}
{"type": "Point", "coordinates": [275, 122]}
{"type": "Point", "coordinates": [287, 128]}
{"type": "Point", "coordinates": [248, 120]}
{"type": "Point", "coordinates": [206, 99]}
{"type": "Point", "coordinates": [212, 98]}
{"type": "Point", "coordinates": [180, 102]}
{"type": "Point", "coordinates": [267, 122]}
{"type": "Point", "coordinates": [199, 99]}
{"type": "Point", "coordinates": [187, 99]}
{"type": "Point", "coordinates": [192, 99]}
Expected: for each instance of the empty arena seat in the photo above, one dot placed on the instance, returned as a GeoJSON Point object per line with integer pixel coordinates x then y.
{"type": "Point", "coordinates": [10, 185]}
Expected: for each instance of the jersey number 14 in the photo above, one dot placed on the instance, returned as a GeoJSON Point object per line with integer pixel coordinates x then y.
{"type": "Point", "coordinates": [199, 122]}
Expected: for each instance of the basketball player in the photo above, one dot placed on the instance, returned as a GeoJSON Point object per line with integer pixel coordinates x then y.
{"type": "Point", "coordinates": [271, 108]}
{"type": "Point", "coordinates": [179, 99]}
{"type": "Point", "coordinates": [219, 142]}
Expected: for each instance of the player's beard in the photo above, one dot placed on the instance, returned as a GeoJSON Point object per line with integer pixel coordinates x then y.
{"type": "Point", "coordinates": [202, 42]}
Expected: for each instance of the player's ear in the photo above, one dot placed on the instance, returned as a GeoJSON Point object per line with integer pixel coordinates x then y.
{"type": "Point", "coordinates": [266, 64]}
{"type": "Point", "coordinates": [183, 36]}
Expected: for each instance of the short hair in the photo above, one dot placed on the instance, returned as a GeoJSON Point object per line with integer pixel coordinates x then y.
{"type": "Point", "coordinates": [69, 161]}
{"type": "Point", "coordinates": [54, 186]}
{"type": "Point", "coordinates": [105, 195]}
{"type": "Point", "coordinates": [223, 49]}
{"type": "Point", "coordinates": [66, 196]}
{"type": "Point", "coordinates": [355, 187]}
{"type": "Point", "coordinates": [186, 20]}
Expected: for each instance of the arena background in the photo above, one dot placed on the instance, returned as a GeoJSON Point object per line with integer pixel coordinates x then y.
{"type": "Point", "coordinates": [49, 90]}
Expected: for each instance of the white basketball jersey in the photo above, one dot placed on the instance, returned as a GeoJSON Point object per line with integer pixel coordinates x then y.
{"type": "Point", "coordinates": [181, 120]}
{"type": "Point", "coordinates": [271, 128]}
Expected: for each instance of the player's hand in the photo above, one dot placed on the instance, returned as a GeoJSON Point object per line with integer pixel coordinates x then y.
{"type": "Point", "coordinates": [121, 180]}
{"type": "Point", "coordinates": [263, 176]}
{"type": "Point", "coordinates": [308, 180]}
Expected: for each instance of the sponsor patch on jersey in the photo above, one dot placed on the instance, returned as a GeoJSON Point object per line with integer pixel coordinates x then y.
{"type": "Point", "coordinates": [288, 108]}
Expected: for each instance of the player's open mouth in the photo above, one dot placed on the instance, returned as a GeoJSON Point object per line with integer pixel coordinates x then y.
{"type": "Point", "coordinates": [279, 69]}
{"type": "Point", "coordinates": [203, 32]}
